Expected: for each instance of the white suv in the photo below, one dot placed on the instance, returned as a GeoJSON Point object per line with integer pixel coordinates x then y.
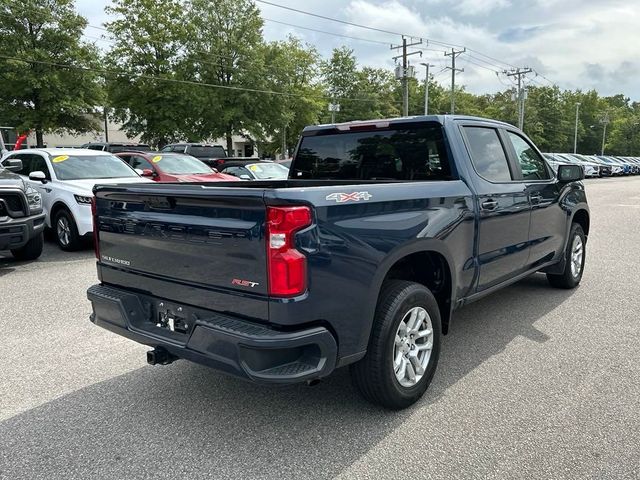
{"type": "Point", "coordinates": [65, 178]}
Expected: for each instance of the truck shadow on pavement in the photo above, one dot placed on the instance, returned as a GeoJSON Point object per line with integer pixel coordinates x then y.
{"type": "Point", "coordinates": [185, 420]}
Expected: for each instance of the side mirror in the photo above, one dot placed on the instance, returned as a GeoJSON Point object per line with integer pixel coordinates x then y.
{"type": "Point", "coordinates": [244, 176]}
{"type": "Point", "coordinates": [13, 164]}
{"type": "Point", "coordinates": [38, 176]}
{"type": "Point", "coordinates": [570, 173]}
{"type": "Point", "coordinates": [147, 172]}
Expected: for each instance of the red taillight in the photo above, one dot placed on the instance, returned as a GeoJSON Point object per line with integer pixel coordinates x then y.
{"type": "Point", "coordinates": [94, 216]}
{"type": "Point", "coordinates": [287, 266]}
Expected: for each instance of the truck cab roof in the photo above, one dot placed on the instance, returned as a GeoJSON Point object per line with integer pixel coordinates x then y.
{"type": "Point", "coordinates": [387, 122]}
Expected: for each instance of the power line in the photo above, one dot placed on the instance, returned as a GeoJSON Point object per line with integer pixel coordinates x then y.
{"type": "Point", "coordinates": [368, 27]}
{"type": "Point", "coordinates": [378, 42]}
{"type": "Point", "coordinates": [359, 39]}
{"type": "Point", "coordinates": [330, 19]}
{"type": "Point", "coordinates": [104, 71]}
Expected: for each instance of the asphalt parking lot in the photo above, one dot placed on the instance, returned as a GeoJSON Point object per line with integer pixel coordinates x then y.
{"type": "Point", "coordinates": [532, 383]}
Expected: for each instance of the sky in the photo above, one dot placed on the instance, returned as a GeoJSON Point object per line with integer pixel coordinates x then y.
{"type": "Point", "coordinates": [576, 44]}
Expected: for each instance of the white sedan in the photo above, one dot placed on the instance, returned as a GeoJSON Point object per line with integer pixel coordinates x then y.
{"type": "Point", "coordinates": [65, 178]}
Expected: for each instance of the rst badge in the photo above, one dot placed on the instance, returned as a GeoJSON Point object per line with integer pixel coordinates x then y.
{"type": "Point", "coordinates": [349, 197]}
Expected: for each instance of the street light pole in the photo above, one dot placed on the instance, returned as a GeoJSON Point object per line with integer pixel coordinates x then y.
{"type": "Point", "coordinates": [605, 122]}
{"type": "Point", "coordinates": [575, 135]}
{"type": "Point", "coordinates": [426, 89]}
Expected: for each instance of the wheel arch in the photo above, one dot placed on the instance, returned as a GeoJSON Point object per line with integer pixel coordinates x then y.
{"type": "Point", "coordinates": [582, 218]}
{"type": "Point", "coordinates": [428, 262]}
{"type": "Point", "coordinates": [55, 208]}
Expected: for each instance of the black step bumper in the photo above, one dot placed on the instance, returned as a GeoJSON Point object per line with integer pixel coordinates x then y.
{"type": "Point", "coordinates": [231, 345]}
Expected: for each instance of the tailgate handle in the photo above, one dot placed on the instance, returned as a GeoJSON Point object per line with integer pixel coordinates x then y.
{"type": "Point", "coordinates": [159, 203]}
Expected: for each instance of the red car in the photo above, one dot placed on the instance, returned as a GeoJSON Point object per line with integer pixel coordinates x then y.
{"type": "Point", "coordinates": [173, 167]}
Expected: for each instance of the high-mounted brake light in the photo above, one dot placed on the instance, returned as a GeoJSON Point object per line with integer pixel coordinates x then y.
{"type": "Point", "coordinates": [287, 267]}
{"type": "Point", "coordinates": [94, 216]}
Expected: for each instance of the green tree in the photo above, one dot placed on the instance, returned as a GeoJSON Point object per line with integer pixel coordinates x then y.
{"type": "Point", "coordinates": [149, 37]}
{"type": "Point", "coordinates": [225, 48]}
{"type": "Point", "coordinates": [340, 76]}
{"type": "Point", "coordinates": [291, 68]}
{"type": "Point", "coordinates": [546, 121]}
{"type": "Point", "coordinates": [42, 96]}
{"type": "Point", "coordinates": [361, 93]}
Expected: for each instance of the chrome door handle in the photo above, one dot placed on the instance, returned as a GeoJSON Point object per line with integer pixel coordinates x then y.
{"type": "Point", "coordinates": [536, 198]}
{"type": "Point", "coordinates": [489, 205]}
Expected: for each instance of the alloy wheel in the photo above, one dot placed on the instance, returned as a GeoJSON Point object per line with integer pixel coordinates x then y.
{"type": "Point", "coordinates": [412, 346]}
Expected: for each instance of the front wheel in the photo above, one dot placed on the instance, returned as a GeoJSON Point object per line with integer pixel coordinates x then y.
{"type": "Point", "coordinates": [574, 258]}
{"type": "Point", "coordinates": [403, 348]}
{"type": "Point", "coordinates": [66, 231]}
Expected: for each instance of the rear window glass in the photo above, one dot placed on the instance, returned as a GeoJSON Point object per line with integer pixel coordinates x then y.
{"type": "Point", "coordinates": [394, 154]}
{"type": "Point", "coordinates": [214, 151]}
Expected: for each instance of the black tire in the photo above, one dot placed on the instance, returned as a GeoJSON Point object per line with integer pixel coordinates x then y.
{"type": "Point", "coordinates": [570, 278]}
{"type": "Point", "coordinates": [31, 250]}
{"type": "Point", "coordinates": [374, 375]}
{"type": "Point", "coordinates": [74, 241]}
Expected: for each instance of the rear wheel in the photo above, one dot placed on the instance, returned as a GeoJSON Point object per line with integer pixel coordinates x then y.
{"type": "Point", "coordinates": [574, 260]}
{"type": "Point", "coordinates": [404, 346]}
{"type": "Point", "coordinates": [66, 231]}
{"type": "Point", "coordinates": [31, 250]}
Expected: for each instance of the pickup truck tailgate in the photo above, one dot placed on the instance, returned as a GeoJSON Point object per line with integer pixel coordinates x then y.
{"type": "Point", "coordinates": [184, 240]}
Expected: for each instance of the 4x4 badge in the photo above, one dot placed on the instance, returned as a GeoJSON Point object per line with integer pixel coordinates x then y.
{"type": "Point", "coordinates": [349, 197]}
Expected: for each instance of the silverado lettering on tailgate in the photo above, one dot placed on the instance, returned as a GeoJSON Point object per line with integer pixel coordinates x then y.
{"type": "Point", "coordinates": [188, 233]}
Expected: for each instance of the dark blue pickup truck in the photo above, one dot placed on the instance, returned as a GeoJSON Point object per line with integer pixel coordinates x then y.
{"type": "Point", "coordinates": [382, 230]}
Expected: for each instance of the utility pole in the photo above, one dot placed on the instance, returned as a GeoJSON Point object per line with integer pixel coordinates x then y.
{"type": "Point", "coordinates": [106, 125]}
{"type": "Point", "coordinates": [575, 134]}
{"type": "Point", "coordinates": [604, 121]}
{"type": "Point", "coordinates": [333, 108]}
{"type": "Point", "coordinates": [453, 54]}
{"type": "Point", "coordinates": [407, 71]}
{"type": "Point", "coordinates": [284, 143]}
{"type": "Point", "coordinates": [426, 88]}
{"type": "Point", "coordinates": [519, 73]}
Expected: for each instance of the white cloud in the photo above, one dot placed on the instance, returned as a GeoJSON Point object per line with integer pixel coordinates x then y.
{"type": "Point", "coordinates": [480, 7]}
{"type": "Point", "coordinates": [556, 37]}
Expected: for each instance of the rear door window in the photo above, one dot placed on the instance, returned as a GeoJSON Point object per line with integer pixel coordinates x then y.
{"type": "Point", "coordinates": [487, 154]}
{"type": "Point", "coordinates": [417, 153]}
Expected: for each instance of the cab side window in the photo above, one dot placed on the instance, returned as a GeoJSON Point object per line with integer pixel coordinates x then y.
{"type": "Point", "coordinates": [532, 164]}
{"type": "Point", "coordinates": [139, 162]}
{"type": "Point", "coordinates": [487, 154]}
{"type": "Point", "coordinates": [39, 164]}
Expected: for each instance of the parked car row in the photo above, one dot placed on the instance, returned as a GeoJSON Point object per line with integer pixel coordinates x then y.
{"type": "Point", "coordinates": [596, 165]}
{"type": "Point", "coordinates": [64, 179]}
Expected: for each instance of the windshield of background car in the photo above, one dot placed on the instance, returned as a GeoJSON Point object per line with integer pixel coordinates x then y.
{"type": "Point", "coordinates": [268, 171]}
{"type": "Point", "coordinates": [70, 167]}
{"type": "Point", "coordinates": [200, 151]}
{"type": "Point", "coordinates": [394, 154]}
{"type": "Point", "coordinates": [179, 164]}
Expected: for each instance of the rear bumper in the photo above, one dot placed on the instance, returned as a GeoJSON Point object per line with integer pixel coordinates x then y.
{"type": "Point", "coordinates": [16, 232]}
{"type": "Point", "coordinates": [232, 345]}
